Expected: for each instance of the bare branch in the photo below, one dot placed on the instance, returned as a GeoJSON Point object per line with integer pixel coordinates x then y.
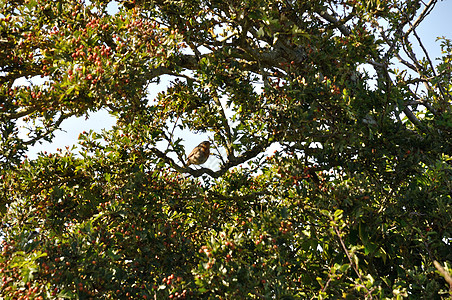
{"type": "Point", "coordinates": [427, 9]}
{"type": "Point", "coordinates": [427, 56]}
{"type": "Point", "coordinates": [227, 128]}
{"type": "Point", "coordinates": [49, 131]}
{"type": "Point", "coordinates": [406, 63]}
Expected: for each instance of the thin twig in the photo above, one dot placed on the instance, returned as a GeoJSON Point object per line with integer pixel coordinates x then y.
{"type": "Point", "coordinates": [441, 89]}
{"type": "Point", "coordinates": [354, 266]}
{"type": "Point", "coordinates": [227, 128]}
{"type": "Point", "coordinates": [428, 8]}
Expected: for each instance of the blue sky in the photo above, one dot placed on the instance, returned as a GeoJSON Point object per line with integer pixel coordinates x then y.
{"type": "Point", "coordinates": [438, 23]}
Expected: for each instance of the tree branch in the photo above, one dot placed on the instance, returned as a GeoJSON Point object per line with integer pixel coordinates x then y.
{"type": "Point", "coordinates": [339, 25]}
{"type": "Point", "coordinates": [445, 274]}
{"type": "Point", "coordinates": [234, 161]}
{"type": "Point", "coordinates": [440, 87]}
{"type": "Point", "coordinates": [49, 131]}
{"type": "Point", "coordinates": [20, 114]}
{"type": "Point", "coordinates": [240, 197]}
{"type": "Point", "coordinates": [413, 118]}
{"type": "Point", "coordinates": [354, 266]}
{"type": "Point", "coordinates": [227, 128]}
{"type": "Point", "coordinates": [427, 9]}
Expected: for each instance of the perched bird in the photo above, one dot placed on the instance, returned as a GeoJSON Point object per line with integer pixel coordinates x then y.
{"type": "Point", "coordinates": [200, 154]}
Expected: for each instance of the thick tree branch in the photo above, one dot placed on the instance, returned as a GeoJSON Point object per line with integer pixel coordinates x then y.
{"type": "Point", "coordinates": [413, 118]}
{"type": "Point", "coordinates": [339, 25]}
{"type": "Point", "coordinates": [20, 114]}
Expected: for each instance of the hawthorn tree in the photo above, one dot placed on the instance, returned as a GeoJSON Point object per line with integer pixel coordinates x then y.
{"type": "Point", "coordinates": [355, 203]}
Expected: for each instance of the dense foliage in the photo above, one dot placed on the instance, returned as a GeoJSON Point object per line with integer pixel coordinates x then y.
{"type": "Point", "coordinates": [355, 203]}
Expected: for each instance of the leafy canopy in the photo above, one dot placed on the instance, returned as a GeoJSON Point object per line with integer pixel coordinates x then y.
{"type": "Point", "coordinates": [355, 203]}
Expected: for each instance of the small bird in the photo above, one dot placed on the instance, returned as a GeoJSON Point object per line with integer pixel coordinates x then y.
{"type": "Point", "coordinates": [200, 154]}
